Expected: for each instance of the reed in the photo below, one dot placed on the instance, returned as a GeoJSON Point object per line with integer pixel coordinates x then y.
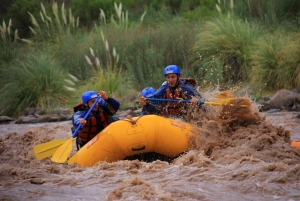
{"type": "Point", "coordinates": [222, 50]}
{"type": "Point", "coordinates": [149, 53]}
{"type": "Point", "coordinates": [53, 25]}
{"type": "Point", "coordinates": [35, 80]}
{"type": "Point", "coordinates": [8, 43]}
{"type": "Point", "coordinates": [275, 61]}
{"type": "Point", "coordinates": [106, 76]}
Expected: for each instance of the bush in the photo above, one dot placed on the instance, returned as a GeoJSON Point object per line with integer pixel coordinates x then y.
{"type": "Point", "coordinates": [35, 80]}
{"type": "Point", "coordinates": [59, 28]}
{"type": "Point", "coordinates": [88, 11]}
{"type": "Point", "coordinates": [8, 43]}
{"type": "Point", "coordinates": [199, 10]}
{"type": "Point", "coordinates": [267, 12]}
{"type": "Point", "coordinates": [275, 61]}
{"type": "Point", "coordinates": [18, 12]}
{"type": "Point", "coordinates": [221, 53]}
{"type": "Point", "coordinates": [149, 53]}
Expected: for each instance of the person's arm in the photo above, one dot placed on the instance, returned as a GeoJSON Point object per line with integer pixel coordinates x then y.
{"type": "Point", "coordinates": [155, 107]}
{"type": "Point", "coordinates": [143, 112]}
{"type": "Point", "coordinates": [151, 107]}
{"type": "Point", "coordinates": [110, 105]}
{"type": "Point", "coordinates": [77, 117]}
{"type": "Point", "coordinates": [190, 92]}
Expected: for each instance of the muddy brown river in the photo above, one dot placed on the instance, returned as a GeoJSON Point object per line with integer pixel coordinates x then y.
{"type": "Point", "coordinates": [240, 160]}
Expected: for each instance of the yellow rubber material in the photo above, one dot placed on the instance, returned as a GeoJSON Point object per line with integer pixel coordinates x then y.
{"type": "Point", "coordinates": [149, 133]}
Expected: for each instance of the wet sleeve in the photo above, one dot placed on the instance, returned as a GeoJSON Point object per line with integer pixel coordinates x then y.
{"type": "Point", "coordinates": [154, 107]}
{"type": "Point", "coordinates": [143, 112]}
{"type": "Point", "coordinates": [189, 92]}
{"type": "Point", "coordinates": [160, 92]}
{"type": "Point", "coordinates": [76, 117]}
{"type": "Point", "coordinates": [151, 109]}
{"type": "Point", "coordinates": [110, 105]}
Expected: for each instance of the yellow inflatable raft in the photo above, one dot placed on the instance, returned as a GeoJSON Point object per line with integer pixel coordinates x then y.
{"type": "Point", "coordinates": [127, 137]}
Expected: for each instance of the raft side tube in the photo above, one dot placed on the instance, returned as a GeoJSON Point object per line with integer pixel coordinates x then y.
{"type": "Point", "coordinates": [123, 138]}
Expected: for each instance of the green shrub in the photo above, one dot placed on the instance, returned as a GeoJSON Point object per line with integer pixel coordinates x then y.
{"type": "Point", "coordinates": [275, 61]}
{"type": "Point", "coordinates": [268, 12]}
{"type": "Point", "coordinates": [88, 11]}
{"type": "Point", "coordinates": [53, 26]}
{"type": "Point", "coordinates": [149, 53]}
{"type": "Point", "coordinates": [106, 77]}
{"type": "Point", "coordinates": [18, 12]}
{"type": "Point", "coordinates": [8, 43]}
{"type": "Point", "coordinates": [59, 29]}
{"type": "Point", "coordinates": [221, 53]}
{"type": "Point", "coordinates": [35, 80]}
{"type": "Point", "coordinates": [199, 10]}
{"type": "Point", "coordinates": [71, 50]}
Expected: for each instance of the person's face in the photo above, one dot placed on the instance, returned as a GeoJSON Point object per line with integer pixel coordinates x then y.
{"type": "Point", "coordinates": [91, 102]}
{"type": "Point", "coordinates": [172, 79]}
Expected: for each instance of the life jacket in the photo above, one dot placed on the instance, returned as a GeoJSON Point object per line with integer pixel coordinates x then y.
{"type": "Point", "coordinates": [171, 108]}
{"type": "Point", "coordinates": [93, 126]}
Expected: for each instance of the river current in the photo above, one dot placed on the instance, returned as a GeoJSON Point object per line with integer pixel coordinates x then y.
{"type": "Point", "coordinates": [229, 159]}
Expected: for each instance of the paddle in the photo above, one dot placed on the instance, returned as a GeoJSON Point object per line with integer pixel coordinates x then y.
{"type": "Point", "coordinates": [47, 149]}
{"type": "Point", "coordinates": [225, 94]}
{"type": "Point", "coordinates": [63, 152]}
{"type": "Point", "coordinates": [223, 102]}
{"type": "Point", "coordinates": [295, 144]}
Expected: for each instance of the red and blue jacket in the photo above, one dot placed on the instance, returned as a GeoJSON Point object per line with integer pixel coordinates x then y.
{"type": "Point", "coordinates": [97, 120]}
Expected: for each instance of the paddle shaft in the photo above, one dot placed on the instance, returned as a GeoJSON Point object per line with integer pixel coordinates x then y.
{"type": "Point", "coordinates": [200, 102]}
{"type": "Point", "coordinates": [85, 117]}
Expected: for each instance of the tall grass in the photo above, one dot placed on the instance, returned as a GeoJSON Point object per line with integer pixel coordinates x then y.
{"type": "Point", "coordinates": [35, 80]}
{"type": "Point", "coordinates": [161, 45]}
{"type": "Point", "coordinates": [107, 77]}
{"type": "Point", "coordinates": [267, 12]}
{"type": "Point", "coordinates": [221, 53]}
{"type": "Point", "coordinates": [60, 30]}
{"type": "Point", "coordinates": [276, 62]}
{"type": "Point", "coordinates": [53, 25]}
{"type": "Point", "coordinates": [122, 57]}
{"type": "Point", "coordinates": [8, 43]}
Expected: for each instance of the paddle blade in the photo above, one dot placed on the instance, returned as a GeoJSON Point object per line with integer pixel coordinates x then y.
{"type": "Point", "coordinates": [62, 153]}
{"type": "Point", "coordinates": [225, 94]}
{"type": "Point", "coordinates": [47, 149]}
{"type": "Point", "coordinates": [238, 107]}
{"type": "Point", "coordinates": [232, 102]}
{"type": "Point", "coordinates": [295, 144]}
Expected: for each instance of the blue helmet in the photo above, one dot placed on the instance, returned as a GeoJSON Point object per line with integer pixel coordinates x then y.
{"type": "Point", "coordinates": [172, 69]}
{"type": "Point", "coordinates": [148, 92]}
{"type": "Point", "coordinates": [86, 96]}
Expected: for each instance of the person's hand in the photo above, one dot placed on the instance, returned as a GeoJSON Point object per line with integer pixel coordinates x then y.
{"type": "Point", "coordinates": [142, 101]}
{"type": "Point", "coordinates": [82, 121]}
{"type": "Point", "coordinates": [103, 95]}
{"type": "Point", "coordinates": [194, 101]}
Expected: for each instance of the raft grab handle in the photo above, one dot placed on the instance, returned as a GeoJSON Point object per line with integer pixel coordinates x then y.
{"type": "Point", "coordinates": [138, 149]}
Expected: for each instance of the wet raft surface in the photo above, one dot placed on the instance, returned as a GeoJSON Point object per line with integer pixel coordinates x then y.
{"type": "Point", "coordinates": [231, 158]}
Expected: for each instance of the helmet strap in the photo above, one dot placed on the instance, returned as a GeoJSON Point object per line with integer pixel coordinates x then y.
{"type": "Point", "coordinates": [177, 83]}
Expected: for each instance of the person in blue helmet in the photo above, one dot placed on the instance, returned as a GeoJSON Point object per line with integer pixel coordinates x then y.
{"type": "Point", "coordinates": [100, 117]}
{"type": "Point", "coordinates": [147, 92]}
{"type": "Point", "coordinates": [172, 88]}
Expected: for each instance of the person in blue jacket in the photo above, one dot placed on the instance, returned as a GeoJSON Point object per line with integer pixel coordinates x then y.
{"type": "Point", "coordinates": [100, 117]}
{"type": "Point", "coordinates": [147, 92]}
{"type": "Point", "coordinates": [172, 88]}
